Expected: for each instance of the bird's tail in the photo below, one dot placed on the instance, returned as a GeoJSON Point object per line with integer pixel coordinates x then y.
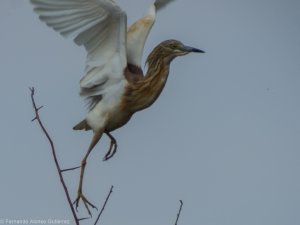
{"type": "Point", "coordinates": [159, 4]}
{"type": "Point", "coordinates": [82, 126]}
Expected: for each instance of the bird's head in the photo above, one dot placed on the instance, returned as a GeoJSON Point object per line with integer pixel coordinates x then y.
{"type": "Point", "coordinates": [170, 49]}
{"type": "Point", "coordinates": [174, 47]}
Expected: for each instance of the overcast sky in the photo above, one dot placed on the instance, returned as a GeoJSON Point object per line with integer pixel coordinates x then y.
{"type": "Point", "coordinates": [223, 136]}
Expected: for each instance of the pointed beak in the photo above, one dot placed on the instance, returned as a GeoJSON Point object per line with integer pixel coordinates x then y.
{"type": "Point", "coordinates": [191, 49]}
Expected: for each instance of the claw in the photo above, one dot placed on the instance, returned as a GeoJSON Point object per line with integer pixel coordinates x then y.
{"type": "Point", "coordinates": [86, 203]}
{"type": "Point", "coordinates": [112, 148]}
{"type": "Point", "coordinates": [112, 151]}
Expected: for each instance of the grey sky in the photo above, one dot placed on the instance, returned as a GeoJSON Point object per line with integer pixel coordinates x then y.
{"type": "Point", "coordinates": [223, 136]}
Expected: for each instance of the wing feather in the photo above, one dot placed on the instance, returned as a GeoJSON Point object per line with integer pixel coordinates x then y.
{"type": "Point", "coordinates": [159, 4]}
{"type": "Point", "coordinates": [98, 25]}
{"type": "Point", "coordinates": [139, 31]}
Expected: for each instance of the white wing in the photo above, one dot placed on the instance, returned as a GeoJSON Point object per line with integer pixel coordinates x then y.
{"type": "Point", "coordinates": [139, 31]}
{"type": "Point", "coordinates": [98, 25]}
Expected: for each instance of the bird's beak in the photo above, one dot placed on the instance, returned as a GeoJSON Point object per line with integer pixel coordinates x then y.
{"type": "Point", "coordinates": [191, 49]}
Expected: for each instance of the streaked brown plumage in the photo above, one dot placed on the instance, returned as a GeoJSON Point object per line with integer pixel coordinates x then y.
{"type": "Point", "coordinates": [142, 91]}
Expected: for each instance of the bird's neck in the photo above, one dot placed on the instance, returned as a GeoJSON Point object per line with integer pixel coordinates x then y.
{"type": "Point", "coordinates": [156, 78]}
{"type": "Point", "coordinates": [143, 93]}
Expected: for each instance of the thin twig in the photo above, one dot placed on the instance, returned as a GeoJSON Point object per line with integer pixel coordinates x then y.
{"type": "Point", "coordinates": [178, 214]}
{"type": "Point", "coordinates": [103, 207]}
{"type": "Point", "coordinates": [74, 168]}
{"type": "Point", "coordinates": [37, 117]}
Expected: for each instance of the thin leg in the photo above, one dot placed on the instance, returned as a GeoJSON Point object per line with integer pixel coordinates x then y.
{"type": "Point", "coordinates": [112, 148]}
{"type": "Point", "coordinates": [96, 138]}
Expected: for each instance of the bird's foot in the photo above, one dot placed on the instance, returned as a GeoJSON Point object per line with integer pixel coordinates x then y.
{"type": "Point", "coordinates": [86, 203]}
{"type": "Point", "coordinates": [112, 149]}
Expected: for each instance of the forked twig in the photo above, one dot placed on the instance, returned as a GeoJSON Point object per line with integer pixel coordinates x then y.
{"type": "Point", "coordinates": [59, 170]}
{"type": "Point", "coordinates": [37, 117]}
{"type": "Point", "coordinates": [179, 212]}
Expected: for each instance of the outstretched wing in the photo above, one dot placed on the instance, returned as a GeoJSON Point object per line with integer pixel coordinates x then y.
{"type": "Point", "coordinates": [139, 31]}
{"type": "Point", "coordinates": [98, 25]}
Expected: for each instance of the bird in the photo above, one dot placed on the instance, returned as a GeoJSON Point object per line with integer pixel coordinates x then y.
{"type": "Point", "coordinates": [114, 83]}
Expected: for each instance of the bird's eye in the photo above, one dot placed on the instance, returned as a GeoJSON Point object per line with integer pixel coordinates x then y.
{"type": "Point", "coordinates": [173, 46]}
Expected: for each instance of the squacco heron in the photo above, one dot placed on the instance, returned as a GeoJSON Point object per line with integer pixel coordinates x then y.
{"type": "Point", "coordinates": [114, 83]}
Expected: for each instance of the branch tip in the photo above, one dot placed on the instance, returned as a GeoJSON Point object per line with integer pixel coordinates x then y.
{"type": "Point", "coordinates": [179, 212]}
{"type": "Point", "coordinates": [104, 205]}
{"type": "Point", "coordinates": [31, 90]}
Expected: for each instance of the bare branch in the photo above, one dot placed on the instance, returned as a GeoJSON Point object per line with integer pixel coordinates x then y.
{"type": "Point", "coordinates": [37, 117]}
{"type": "Point", "coordinates": [103, 207]}
{"type": "Point", "coordinates": [179, 212]}
{"type": "Point", "coordinates": [70, 169]}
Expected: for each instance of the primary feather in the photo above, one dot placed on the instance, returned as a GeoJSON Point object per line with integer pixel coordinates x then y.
{"type": "Point", "coordinates": [98, 25]}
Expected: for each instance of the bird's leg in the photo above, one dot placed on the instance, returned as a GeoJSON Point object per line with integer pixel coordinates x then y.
{"type": "Point", "coordinates": [112, 148]}
{"type": "Point", "coordinates": [96, 138]}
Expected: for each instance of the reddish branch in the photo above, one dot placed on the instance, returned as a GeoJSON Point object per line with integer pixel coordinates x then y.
{"type": "Point", "coordinates": [37, 117]}
{"type": "Point", "coordinates": [59, 170]}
